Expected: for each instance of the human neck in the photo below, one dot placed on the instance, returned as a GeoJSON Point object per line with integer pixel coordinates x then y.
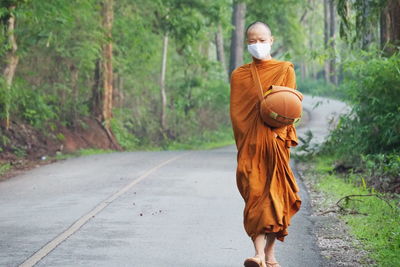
{"type": "Point", "coordinates": [262, 60]}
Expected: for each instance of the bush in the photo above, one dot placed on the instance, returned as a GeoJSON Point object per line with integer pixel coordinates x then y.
{"type": "Point", "coordinates": [373, 126]}
{"type": "Point", "coordinates": [368, 138]}
{"type": "Point", "coordinates": [383, 171]}
{"type": "Point", "coordinates": [26, 103]}
{"type": "Point", "coordinates": [122, 130]}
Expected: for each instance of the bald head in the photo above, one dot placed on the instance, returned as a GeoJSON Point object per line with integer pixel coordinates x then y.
{"type": "Point", "coordinates": [259, 32]}
{"type": "Point", "coordinates": [258, 26]}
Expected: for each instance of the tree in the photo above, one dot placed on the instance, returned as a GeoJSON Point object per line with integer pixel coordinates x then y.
{"type": "Point", "coordinates": [106, 63]}
{"type": "Point", "coordinates": [326, 36]}
{"type": "Point", "coordinates": [237, 38]}
{"type": "Point", "coordinates": [11, 58]}
{"type": "Point", "coordinates": [163, 95]}
{"type": "Point", "coordinates": [390, 27]}
{"type": "Point", "coordinates": [329, 41]}
{"type": "Point", "coordinates": [332, 30]}
{"type": "Point", "coordinates": [102, 92]}
{"type": "Point", "coordinates": [182, 21]}
{"type": "Point", "coordinates": [359, 20]}
{"type": "Point", "coordinates": [219, 44]}
{"type": "Point", "coordinates": [163, 17]}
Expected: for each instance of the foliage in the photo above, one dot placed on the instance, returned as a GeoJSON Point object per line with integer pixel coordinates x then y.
{"type": "Point", "coordinates": [373, 126]}
{"type": "Point", "coordinates": [122, 129]}
{"type": "Point", "coordinates": [56, 70]}
{"type": "Point", "coordinates": [81, 152]}
{"type": "Point", "coordinates": [206, 140]}
{"type": "Point", "coordinates": [368, 138]}
{"type": "Point", "coordinates": [358, 19]}
{"type": "Point", "coordinates": [382, 171]}
{"type": "Point", "coordinates": [31, 105]}
{"type": "Point", "coordinates": [60, 43]}
{"type": "Point", "coordinates": [4, 168]}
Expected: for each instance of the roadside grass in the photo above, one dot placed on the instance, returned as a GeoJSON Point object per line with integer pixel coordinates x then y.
{"type": "Point", "coordinates": [372, 220]}
{"type": "Point", "coordinates": [207, 140]}
{"type": "Point", "coordinates": [4, 168]}
{"type": "Point", "coordinates": [82, 152]}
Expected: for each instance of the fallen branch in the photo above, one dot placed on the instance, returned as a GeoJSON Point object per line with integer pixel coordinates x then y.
{"type": "Point", "coordinates": [342, 211]}
{"type": "Point", "coordinates": [367, 195]}
{"type": "Point", "coordinates": [349, 197]}
{"type": "Point", "coordinates": [327, 211]}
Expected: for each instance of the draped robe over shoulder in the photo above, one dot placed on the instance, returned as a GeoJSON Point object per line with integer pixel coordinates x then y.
{"type": "Point", "coordinates": [263, 175]}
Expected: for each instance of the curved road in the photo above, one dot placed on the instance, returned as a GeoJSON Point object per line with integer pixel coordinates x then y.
{"type": "Point", "coordinates": [169, 208]}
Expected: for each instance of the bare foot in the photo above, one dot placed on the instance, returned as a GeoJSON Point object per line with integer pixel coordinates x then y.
{"type": "Point", "coordinates": [270, 259]}
{"type": "Point", "coordinates": [262, 257]}
{"type": "Point", "coordinates": [272, 264]}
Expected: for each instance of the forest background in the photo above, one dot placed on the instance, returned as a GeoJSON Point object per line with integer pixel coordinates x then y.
{"type": "Point", "coordinates": [132, 75]}
{"type": "Point", "coordinates": [154, 75]}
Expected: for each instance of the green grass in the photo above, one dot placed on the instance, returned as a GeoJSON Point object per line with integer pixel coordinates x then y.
{"type": "Point", "coordinates": [207, 140]}
{"type": "Point", "coordinates": [83, 152]}
{"type": "Point", "coordinates": [4, 168]}
{"type": "Point", "coordinates": [379, 230]}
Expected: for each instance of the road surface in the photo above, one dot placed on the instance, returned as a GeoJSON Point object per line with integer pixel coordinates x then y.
{"type": "Point", "coordinates": [168, 208]}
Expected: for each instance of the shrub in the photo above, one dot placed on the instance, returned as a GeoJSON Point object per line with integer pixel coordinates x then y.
{"type": "Point", "coordinates": [373, 126]}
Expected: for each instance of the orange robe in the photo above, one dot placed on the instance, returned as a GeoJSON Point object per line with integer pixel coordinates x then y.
{"type": "Point", "coordinates": [263, 175]}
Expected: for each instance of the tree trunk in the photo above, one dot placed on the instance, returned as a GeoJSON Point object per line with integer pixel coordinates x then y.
{"type": "Point", "coordinates": [303, 70]}
{"type": "Point", "coordinates": [332, 61]}
{"type": "Point", "coordinates": [96, 91]}
{"type": "Point", "coordinates": [390, 27]}
{"type": "Point", "coordinates": [237, 39]}
{"type": "Point", "coordinates": [118, 94]}
{"type": "Point", "coordinates": [106, 64]}
{"type": "Point", "coordinates": [75, 93]}
{"type": "Point", "coordinates": [102, 93]}
{"type": "Point", "coordinates": [163, 121]}
{"type": "Point", "coordinates": [326, 39]}
{"type": "Point", "coordinates": [219, 43]}
{"type": "Point", "coordinates": [311, 40]}
{"type": "Point", "coordinates": [11, 60]}
{"type": "Point", "coordinates": [367, 36]}
{"type": "Point", "coordinates": [204, 49]}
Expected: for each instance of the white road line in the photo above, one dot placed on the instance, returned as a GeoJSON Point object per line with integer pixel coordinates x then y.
{"type": "Point", "coordinates": [38, 255]}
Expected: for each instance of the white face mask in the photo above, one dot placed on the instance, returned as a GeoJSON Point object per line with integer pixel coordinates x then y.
{"type": "Point", "coordinates": [259, 50]}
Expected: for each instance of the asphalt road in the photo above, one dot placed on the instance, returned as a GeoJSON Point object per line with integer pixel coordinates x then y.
{"type": "Point", "coordinates": [323, 116]}
{"type": "Point", "coordinates": [170, 208]}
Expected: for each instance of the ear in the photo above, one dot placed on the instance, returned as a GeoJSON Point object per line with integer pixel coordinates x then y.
{"type": "Point", "coordinates": [272, 39]}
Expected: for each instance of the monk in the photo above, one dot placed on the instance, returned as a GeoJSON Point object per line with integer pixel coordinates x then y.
{"type": "Point", "coordinates": [263, 175]}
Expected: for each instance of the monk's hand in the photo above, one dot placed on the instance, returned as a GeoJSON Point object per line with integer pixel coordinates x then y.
{"type": "Point", "coordinates": [275, 135]}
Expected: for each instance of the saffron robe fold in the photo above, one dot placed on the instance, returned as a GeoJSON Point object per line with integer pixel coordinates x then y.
{"type": "Point", "coordinates": [263, 175]}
